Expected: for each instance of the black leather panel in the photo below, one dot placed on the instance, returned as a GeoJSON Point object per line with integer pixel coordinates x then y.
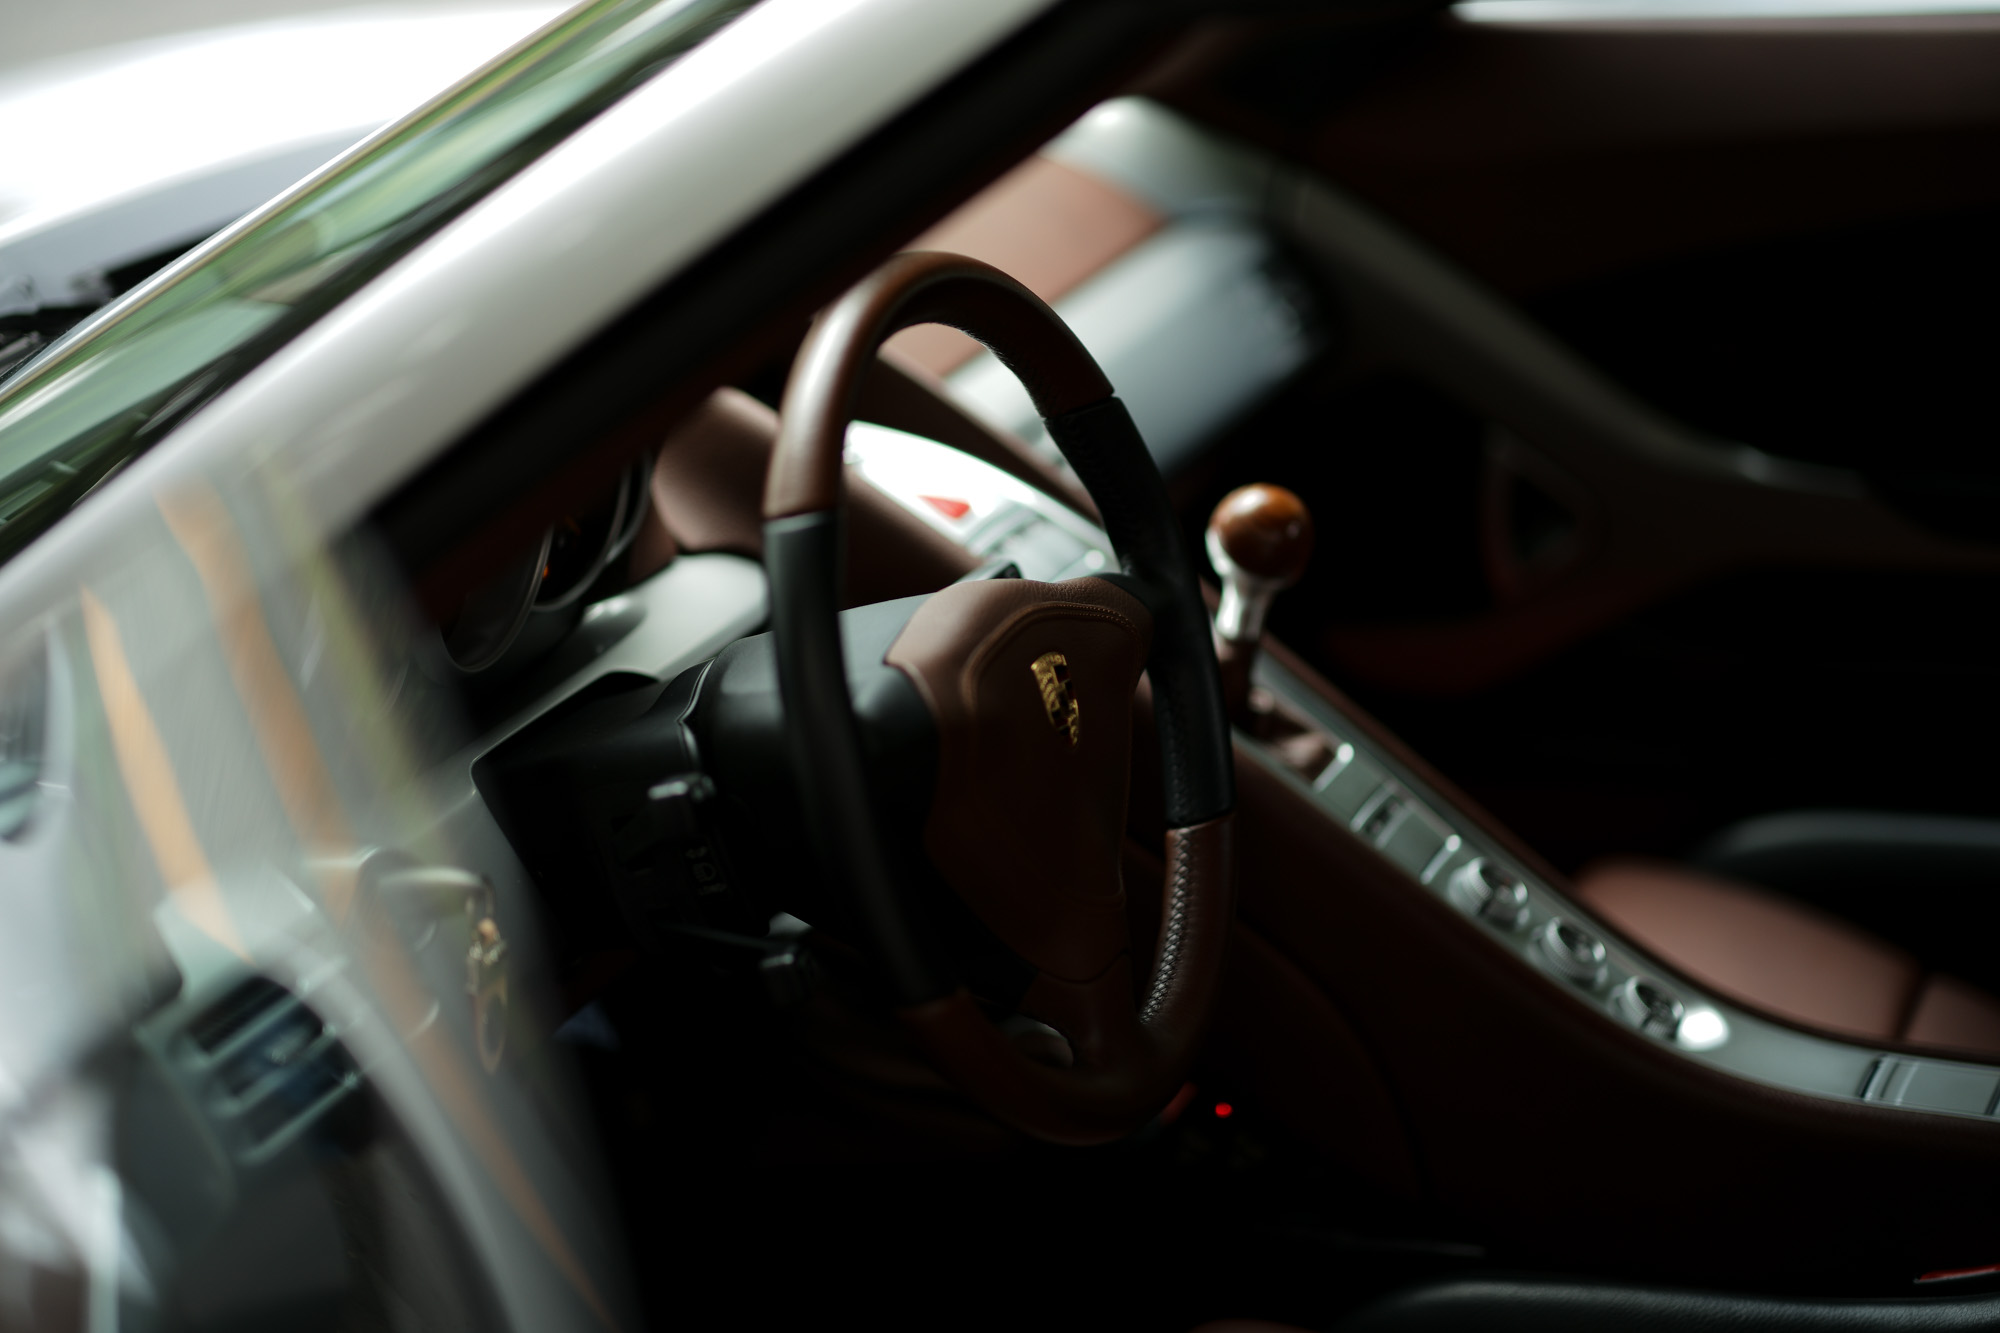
{"type": "Point", "coordinates": [1499, 1305]}
{"type": "Point", "coordinates": [802, 557]}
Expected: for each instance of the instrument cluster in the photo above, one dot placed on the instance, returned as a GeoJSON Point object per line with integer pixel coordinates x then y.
{"type": "Point", "coordinates": [537, 597]}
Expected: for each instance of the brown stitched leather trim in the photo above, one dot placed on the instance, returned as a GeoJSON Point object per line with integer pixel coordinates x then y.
{"type": "Point", "coordinates": [1025, 826]}
{"type": "Point", "coordinates": [1767, 952]}
{"type": "Point", "coordinates": [708, 481]}
{"type": "Point", "coordinates": [1199, 903]}
{"type": "Point", "coordinates": [1141, 1064]}
{"type": "Point", "coordinates": [1045, 222]}
{"type": "Point", "coordinates": [1955, 1015]}
{"type": "Point", "coordinates": [975, 666]}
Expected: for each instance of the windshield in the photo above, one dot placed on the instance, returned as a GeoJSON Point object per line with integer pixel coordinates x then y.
{"type": "Point", "coordinates": [101, 396]}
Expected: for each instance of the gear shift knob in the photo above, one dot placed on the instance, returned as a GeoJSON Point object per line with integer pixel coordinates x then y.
{"type": "Point", "coordinates": [1259, 540]}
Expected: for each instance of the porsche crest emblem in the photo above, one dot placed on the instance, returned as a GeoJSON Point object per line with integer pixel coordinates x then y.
{"type": "Point", "coordinates": [1052, 674]}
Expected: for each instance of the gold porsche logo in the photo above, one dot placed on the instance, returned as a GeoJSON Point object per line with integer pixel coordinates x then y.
{"type": "Point", "coordinates": [1052, 674]}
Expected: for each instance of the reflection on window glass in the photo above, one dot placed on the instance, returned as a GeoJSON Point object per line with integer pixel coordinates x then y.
{"type": "Point", "coordinates": [93, 401]}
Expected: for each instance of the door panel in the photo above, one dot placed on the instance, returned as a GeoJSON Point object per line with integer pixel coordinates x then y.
{"type": "Point", "coordinates": [1702, 236]}
{"type": "Point", "coordinates": [1536, 155]}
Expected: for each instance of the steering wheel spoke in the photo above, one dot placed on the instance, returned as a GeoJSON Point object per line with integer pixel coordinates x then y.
{"type": "Point", "coordinates": [1096, 1017]}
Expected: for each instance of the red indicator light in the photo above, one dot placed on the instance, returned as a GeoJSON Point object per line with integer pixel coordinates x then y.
{"type": "Point", "coordinates": [1223, 1110]}
{"type": "Point", "coordinates": [948, 507]}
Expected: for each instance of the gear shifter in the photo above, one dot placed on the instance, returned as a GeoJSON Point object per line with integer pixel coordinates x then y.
{"type": "Point", "coordinates": [1259, 540]}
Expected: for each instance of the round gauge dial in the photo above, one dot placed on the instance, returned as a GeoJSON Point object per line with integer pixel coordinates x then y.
{"type": "Point", "coordinates": [540, 585]}
{"type": "Point", "coordinates": [576, 553]}
{"type": "Point", "coordinates": [583, 543]}
{"type": "Point", "coordinates": [492, 614]}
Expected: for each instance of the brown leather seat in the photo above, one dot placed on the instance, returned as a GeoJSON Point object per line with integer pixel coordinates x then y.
{"type": "Point", "coordinates": [1780, 956]}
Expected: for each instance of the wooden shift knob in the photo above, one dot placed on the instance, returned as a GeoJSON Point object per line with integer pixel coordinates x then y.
{"type": "Point", "coordinates": [1265, 531]}
{"type": "Point", "coordinates": [1259, 540]}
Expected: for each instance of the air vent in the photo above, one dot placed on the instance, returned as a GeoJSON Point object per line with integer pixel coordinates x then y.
{"type": "Point", "coordinates": [24, 693]}
{"type": "Point", "coordinates": [215, 1025]}
{"type": "Point", "coordinates": [269, 1067]}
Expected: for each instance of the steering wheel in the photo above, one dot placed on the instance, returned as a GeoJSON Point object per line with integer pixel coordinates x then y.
{"type": "Point", "coordinates": [1030, 687]}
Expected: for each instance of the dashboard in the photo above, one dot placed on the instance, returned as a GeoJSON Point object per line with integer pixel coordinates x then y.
{"type": "Point", "coordinates": [1319, 748]}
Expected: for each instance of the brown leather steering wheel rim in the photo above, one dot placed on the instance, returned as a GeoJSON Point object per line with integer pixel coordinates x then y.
{"type": "Point", "coordinates": [802, 508]}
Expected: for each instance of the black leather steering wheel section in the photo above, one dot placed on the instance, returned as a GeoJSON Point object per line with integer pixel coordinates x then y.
{"type": "Point", "coordinates": [1111, 460]}
{"type": "Point", "coordinates": [803, 559]}
{"type": "Point", "coordinates": [1501, 1305]}
{"type": "Point", "coordinates": [1031, 687]}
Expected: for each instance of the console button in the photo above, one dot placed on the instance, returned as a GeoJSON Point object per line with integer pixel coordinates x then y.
{"type": "Point", "coordinates": [1347, 784]}
{"type": "Point", "coordinates": [1415, 842]}
{"type": "Point", "coordinates": [1381, 817]}
{"type": "Point", "coordinates": [1933, 1085]}
{"type": "Point", "coordinates": [1571, 952]}
{"type": "Point", "coordinates": [1480, 888]}
{"type": "Point", "coordinates": [1650, 1007]}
